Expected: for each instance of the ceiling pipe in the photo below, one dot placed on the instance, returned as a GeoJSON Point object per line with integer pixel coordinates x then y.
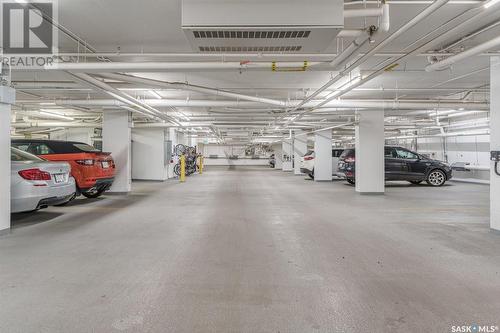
{"type": "Point", "coordinates": [191, 87]}
{"type": "Point", "coordinates": [144, 109]}
{"type": "Point", "coordinates": [443, 64]}
{"type": "Point", "coordinates": [320, 57]}
{"type": "Point", "coordinates": [350, 33]}
{"type": "Point", "coordinates": [106, 67]}
{"type": "Point", "coordinates": [363, 12]}
{"type": "Point", "coordinates": [344, 103]}
{"type": "Point", "coordinates": [457, 29]}
{"type": "Point", "coordinates": [118, 95]}
{"type": "Point", "coordinates": [342, 58]}
{"type": "Point", "coordinates": [45, 124]}
{"type": "Point", "coordinates": [407, 26]}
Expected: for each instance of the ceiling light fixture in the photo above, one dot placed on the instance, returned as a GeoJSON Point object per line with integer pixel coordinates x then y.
{"type": "Point", "coordinates": [491, 3]}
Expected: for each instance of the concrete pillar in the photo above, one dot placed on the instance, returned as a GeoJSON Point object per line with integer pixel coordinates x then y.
{"type": "Point", "coordinates": [278, 156]}
{"type": "Point", "coordinates": [370, 141]}
{"type": "Point", "coordinates": [299, 149]}
{"type": "Point", "coordinates": [287, 150]}
{"type": "Point", "coordinates": [149, 154]}
{"type": "Point", "coordinates": [116, 139]}
{"type": "Point", "coordinates": [172, 136]}
{"type": "Point", "coordinates": [323, 156]}
{"type": "Point", "coordinates": [494, 141]}
{"type": "Point", "coordinates": [7, 98]}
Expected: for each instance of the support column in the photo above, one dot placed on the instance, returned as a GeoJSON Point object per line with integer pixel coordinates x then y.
{"type": "Point", "coordinates": [299, 150]}
{"type": "Point", "coordinates": [7, 98]}
{"type": "Point", "coordinates": [149, 154]}
{"type": "Point", "coordinates": [323, 156]}
{"type": "Point", "coordinates": [278, 156]}
{"type": "Point", "coordinates": [287, 154]}
{"type": "Point", "coordinates": [370, 141]}
{"type": "Point", "coordinates": [116, 139]}
{"type": "Point", "coordinates": [494, 141]}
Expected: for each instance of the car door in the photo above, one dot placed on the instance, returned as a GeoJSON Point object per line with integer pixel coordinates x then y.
{"type": "Point", "coordinates": [410, 165]}
{"type": "Point", "coordinates": [393, 165]}
{"type": "Point", "coordinates": [418, 166]}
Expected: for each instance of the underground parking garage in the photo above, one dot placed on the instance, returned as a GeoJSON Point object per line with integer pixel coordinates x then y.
{"type": "Point", "coordinates": [248, 166]}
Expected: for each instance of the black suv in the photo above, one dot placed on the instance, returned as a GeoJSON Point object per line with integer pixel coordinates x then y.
{"type": "Point", "coordinates": [401, 164]}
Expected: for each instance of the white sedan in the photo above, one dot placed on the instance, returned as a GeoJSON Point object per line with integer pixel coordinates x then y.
{"type": "Point", "coordinates": [36, 183]}
{"type": "Point", "coordinates": [307, 162]}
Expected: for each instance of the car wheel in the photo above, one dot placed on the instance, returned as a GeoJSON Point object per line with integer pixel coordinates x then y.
{"type": "Point", "coordinates": [415, 182]}
{"type": "Point", "coordinates": [351, 181]}
{"type": "Point", "coordinates": [92, 194]}
{"type": "Point", "coordinates": [311, 175]}
{"type": "Point", "coordinates": [436, 178]}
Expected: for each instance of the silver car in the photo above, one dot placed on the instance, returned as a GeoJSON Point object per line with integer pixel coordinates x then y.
{"type": "Point", "coordinates": [36, 183]}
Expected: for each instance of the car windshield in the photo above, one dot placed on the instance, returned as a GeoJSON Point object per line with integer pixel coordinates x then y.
{"type": "Point", "coordinates": [85, 148]}
{"type": "Point", "coordinates": [309, 152]}
{"type": "Point", "coordinates": [17, 155]}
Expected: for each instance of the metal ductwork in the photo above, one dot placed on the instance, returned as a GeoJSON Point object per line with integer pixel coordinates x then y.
{"type": "Point", "coordinates": [222, 26]}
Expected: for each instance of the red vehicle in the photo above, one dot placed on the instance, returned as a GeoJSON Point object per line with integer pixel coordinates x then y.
{"type": "Point", "coordinates": [93, 170]}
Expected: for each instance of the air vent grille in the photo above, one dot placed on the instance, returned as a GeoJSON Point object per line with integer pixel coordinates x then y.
{"type": "Point", "coordinates": [244, 34]}
{"type": "Point", "coordinates": [250, 48]}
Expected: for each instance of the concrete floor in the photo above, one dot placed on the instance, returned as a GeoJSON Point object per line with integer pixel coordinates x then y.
{"type": "Point", "coordinates": [254, 250]}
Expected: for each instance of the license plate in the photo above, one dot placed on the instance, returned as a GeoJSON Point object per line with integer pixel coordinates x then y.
{"type": "Point", "coordinates": [105, 165]}
{"type": "Point", "coordinates": [59, 178]}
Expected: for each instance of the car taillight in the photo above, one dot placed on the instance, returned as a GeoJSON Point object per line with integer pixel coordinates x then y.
{"type": "Point", "coordinates": [34, 174]}
{"type": "Point", "coordinates": [308, 158]}
{"type": "Point", "coordinates": [85, 162]}
{"type": "Point", "coordinates": [349, 160]}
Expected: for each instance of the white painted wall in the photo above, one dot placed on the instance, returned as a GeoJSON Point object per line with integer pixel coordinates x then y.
{"type": "Point", "coordinates": [84, 135]}
{"type": "Point", "coordinates": [470, 149]}
{"type": "Point", "coordinates": [116, 139]}
{"type": "Point", "coordinates": [224, 151]}
{"type": "Point", "coordinates": [287, 152]}
{"type": "Point", "coordinates": [474, 150]}
{"type": "Point", "coordinates": [148, 154]}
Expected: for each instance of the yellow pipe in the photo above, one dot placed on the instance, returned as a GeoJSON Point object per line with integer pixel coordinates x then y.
{"type": "Point", "coordinates": [183, 169]}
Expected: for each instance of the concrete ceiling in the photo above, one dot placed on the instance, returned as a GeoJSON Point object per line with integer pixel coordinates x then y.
{"type": "Point", "coordinates": [153, 26]}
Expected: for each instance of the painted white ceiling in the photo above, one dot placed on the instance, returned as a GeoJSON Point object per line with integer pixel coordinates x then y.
{"type": "Point", "coordinates": [152, 26]}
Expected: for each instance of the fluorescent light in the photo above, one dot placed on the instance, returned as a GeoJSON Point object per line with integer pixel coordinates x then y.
{"type": "Point", "coordinates": [490, 3]}
{"type": "Point", "coordinates": [47, 113]}
{"type": "Point", "coordinates": [155, 94]}
{"type": "Point", "coordinates": [47, 103]}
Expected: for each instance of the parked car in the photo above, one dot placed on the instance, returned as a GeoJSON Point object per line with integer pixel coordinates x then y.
{"type": "Point", "coordinates": [401, 164]}
{"type": "Point", "coordinates": [36, 183]}
{"type": "Point", "coordinates": [307, 162]}
{"type": "Point", "coordinates": [93, 170]}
